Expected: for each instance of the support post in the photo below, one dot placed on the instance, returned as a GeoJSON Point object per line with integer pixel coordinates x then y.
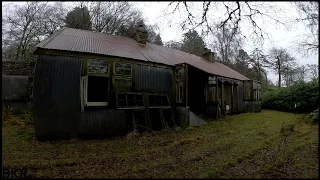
{"type": "Point", "coordinates": [186, 86]}
{"type": "Point", "coordinates": [223, 105]}
{"type": "Point", "coordinates": [232, 97]}
{"type": "Point", "coordinates": [146, 105]}
{"type": "Point", "coordinates": [217, 95]}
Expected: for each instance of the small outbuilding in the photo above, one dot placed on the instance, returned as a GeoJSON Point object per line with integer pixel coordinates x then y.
{"type": "Point", "coordinates": [89, 83]}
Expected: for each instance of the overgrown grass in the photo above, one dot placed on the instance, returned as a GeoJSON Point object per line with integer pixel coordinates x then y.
{"type": "Point", "coordinates": [224, 148]}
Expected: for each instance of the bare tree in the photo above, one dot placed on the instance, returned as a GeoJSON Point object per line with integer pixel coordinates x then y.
{"type": "Point", "coordinates": [52, 18]}
{"type": "Point", "coordinates": [279, 58]}
{"type": "Point", "coordinates": [309, 15]}
{"type": "Point", "coordinates": [152, 35]}
{"type": "Point", "coordinates": [22, 27]}
{"type": "Point", "coordinates": [227, 43]}
{"type": "Point", "coordinates": [259, 60]}
{"type": "Point", "coordinates": [288, 74]}
{"type": "Point", "coordinates": [173, 45]}
{"type": "Point", "coordinates": [158, 40]}
{"type": "Point", "coordinates": [301, 73]}
{"type": "Point", "coordinates": [313, 70]}
{"type": "Point", "coordinates": [235, 13]}
{"type": "Point", "coordinates": [109, 16]}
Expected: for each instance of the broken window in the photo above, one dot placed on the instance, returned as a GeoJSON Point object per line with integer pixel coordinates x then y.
{"type": "Point", "coordinates": [211, 80]}
{"type": "Point", "coordinates": [257, 94]}
{"type": "Point", "coordinates": [99, 67]}
{"type": "Point", "coordinates": [179, 73]}
{"type": "Point", "coordinates": [158, 100]}
{"type": "Point", "coordinates": [95, 83]}
{"type": "Point", "coordinates": [123, 69]}
{"type": "Point", "coordinates": [256, 91]}
{"type": "Point", "coordinates": [179, 77]}
{"type": "Point", "coordinates": [247, 90]}
{"type": "Point", "coordinates": [122, 80]}
{"type": "Point", "coordinates": [179, 92]}
{"type": "Point", "coordinates": [127, 100]}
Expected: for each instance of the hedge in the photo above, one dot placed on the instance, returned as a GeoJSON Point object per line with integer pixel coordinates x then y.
{"type": "Point", "coordinates": [302, 97]}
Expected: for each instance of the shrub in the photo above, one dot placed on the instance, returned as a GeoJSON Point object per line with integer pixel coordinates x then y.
{"type": "Point", "coordinates": [302, 97]}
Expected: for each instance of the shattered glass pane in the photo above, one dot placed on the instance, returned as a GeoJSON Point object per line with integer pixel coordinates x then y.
{"type": "Point", "coordinates": [123, 69]}
{"type": "Point", "coordinates": [97, 66]}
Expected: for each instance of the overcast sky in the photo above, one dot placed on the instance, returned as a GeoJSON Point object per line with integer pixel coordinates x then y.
{"type": "Point", "coordinates": [169, 28]}
{"type": "Point", "coordinates": [280, 36]}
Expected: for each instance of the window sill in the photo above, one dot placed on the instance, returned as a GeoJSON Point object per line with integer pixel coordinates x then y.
{"type": "Point", "coordinates": [97, 104]}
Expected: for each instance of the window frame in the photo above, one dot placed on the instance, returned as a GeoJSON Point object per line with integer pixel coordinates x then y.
{"type": "Point", "coordinates": [212, 80]}
{"type": "Point", "coordinates": [84, 83]}
{"type": "Point", "coordinates": [127, 83]}
{"type": "Point", "coordinates": [122, 75]}
{"type": "Point", "coordinates": [179, 94]}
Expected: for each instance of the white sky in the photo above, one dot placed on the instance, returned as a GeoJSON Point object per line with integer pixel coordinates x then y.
{"type": "Point", "coordinates": [280, 36]}
{"type": "Point", "coordinates": [169, 28]}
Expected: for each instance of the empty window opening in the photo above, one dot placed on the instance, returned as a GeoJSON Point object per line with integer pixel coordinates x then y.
{"type": "Point", "coordinates": [98, 89]}
{"type": "Point", "coordinates": [94, 83]}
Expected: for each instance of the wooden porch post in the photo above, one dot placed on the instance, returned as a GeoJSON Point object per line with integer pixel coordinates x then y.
{"type": "Point", "coordinates": [186, 85]}
{"type": "Point", "coordinates": [232, 108]}
{"type": "Point", "coordinates": [223, 106]}
{"type": "Point", "coordinates": [217, 94]}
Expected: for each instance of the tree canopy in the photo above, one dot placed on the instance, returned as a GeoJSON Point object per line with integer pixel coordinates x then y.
{"type": "Point", "coordinates": [193, 43]}
{"type": "Point", "coordinates": [79, 18]}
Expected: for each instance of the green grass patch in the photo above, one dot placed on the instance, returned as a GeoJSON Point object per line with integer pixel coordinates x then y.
{"type": "Point", "coordinates": [223, 148]}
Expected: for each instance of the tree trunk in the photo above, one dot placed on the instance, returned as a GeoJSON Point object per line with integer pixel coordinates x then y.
{"type": "Point", "coordinates": [266, 80]}
{"type": "Point", "coordinates": [259, 72]}
{"type": "Point", "coordinates": [20, 43]}
{"type": "Point", "coordinates": [279, 72]}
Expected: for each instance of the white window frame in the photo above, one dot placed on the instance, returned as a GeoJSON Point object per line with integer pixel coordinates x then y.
{"type": "Point", "coordinates": [84, 86]}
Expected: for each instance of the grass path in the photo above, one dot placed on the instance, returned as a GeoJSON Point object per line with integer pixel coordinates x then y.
{"type": "Point", "coordinates": [240, 146]}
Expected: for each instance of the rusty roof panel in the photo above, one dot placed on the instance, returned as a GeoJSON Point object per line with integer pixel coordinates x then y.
{"type": "Point", "coordinates": [98, 43]}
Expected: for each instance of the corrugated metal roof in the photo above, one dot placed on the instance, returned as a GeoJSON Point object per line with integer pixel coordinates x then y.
{"type": "Point", "coordinates": [98, 43]}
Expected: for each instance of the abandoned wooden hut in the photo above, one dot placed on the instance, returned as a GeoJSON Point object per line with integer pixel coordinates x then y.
{"type": "Point", "coordinates": [89, 83]}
